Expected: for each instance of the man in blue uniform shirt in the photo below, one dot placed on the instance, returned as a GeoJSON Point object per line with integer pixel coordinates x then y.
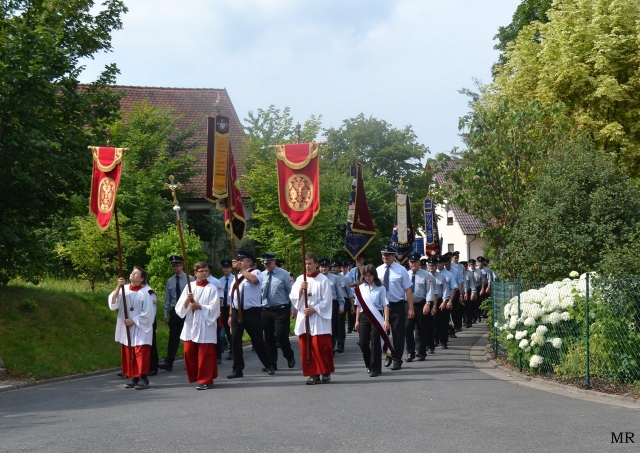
{"type": "Point", "coordinates": [337, 295]}
{"type": "Point", "coordinates": [276, 310]}
{"type": "Point", "coordinates": [396, 281]}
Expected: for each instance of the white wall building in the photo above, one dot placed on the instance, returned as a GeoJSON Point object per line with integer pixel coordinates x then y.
{"type": "Point", "coordinates": [459, 231]}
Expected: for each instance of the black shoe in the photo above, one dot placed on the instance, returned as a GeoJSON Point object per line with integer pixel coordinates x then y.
{"type": "Point", "coordinates": [166, 366]}
{"type": "Point", "coordinates": [350, 331]}
{"type": "Point", "coordinates": [326, 378]}
{"type": "Point", "coordinates": [253, 348]}
{"type": "Point", "coordinates": [152, 373]}
{"type": "Point", "coordinates": [202, 387]}
{"type": "Point", "coordinates": [453, 335]}
{"type": "Point", "coordinates": [368, 370]}
{"type": "Point", "coordinates": [444, 346]}
{"type": "Point", "coordinates": [120, 375]}
{"type": "Point", "coordinates": [230, 356]}
{"type": "Point", "coordinates": [422, 357]}
{"type": "Point", "coordinates": [291, 362]}
{"type": "Point", "coordinates": [432, 351]}
{"type": "Point", "coordinates": [132, 384]}
{"type": "Point", "coordinates": [387, 362]}
{"type": "Point", "coordinates": [340, 350]}
{"type": "Point", "coordinates": [313, 380]}
{"type": "Point", "coordinates": [142, 384]}
{"type": "Point", "coordinates": [271, 371]}
{"type": "Point", "coordinates": [373, 374]}
{"type": "Point", "coordinates": [396, 365]}
{"type": "Point", "coordinates": [235, 375]}
{"type": "Point", "coordinates": [411, 356]}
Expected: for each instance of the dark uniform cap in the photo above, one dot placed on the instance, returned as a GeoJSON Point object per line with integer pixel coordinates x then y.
{"type": "Point", "coordinates": [324, 262]}
{"type": "Point", "coordinates": [432, 261]}
{"type": "Point", "coordinates": [456, 253]}
{"type": "Point", "coordinates": [210, 266]}
{"type": "Point", "coordinates": [388, 250]}
{"type": "Point", "coordinates": [279, 263]}
{"type": "Point", "coordinates": [414, 256]}
{"type": "Point", "coordinates": [424, 261]}
{"type": "Point", "coordinates": [226, 262]}
{"type": "Point", "coordinates": [348, 263]}
{"type": "Point", "coordinates": [441, 259]}
{"type": "Point", "coordinates": [336, 263]}
{"type": "Point", "coordinates": [480, 259]}
{"type": "Point", "coordinates": [176, 259]}
{"type": "Point", "coordinates": [267, 257]}
{"type": "Point", "coordinates": [472, 261]}
{"type": "Point", "coordinates": [242, 255]}
{"type": "Point", "coordinates": [464, 263]}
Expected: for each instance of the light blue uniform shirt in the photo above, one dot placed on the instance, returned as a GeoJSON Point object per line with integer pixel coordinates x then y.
{"type": "Point", "coordinates": [420, 286]}
{"type": "Point", "coordinates": [399, 282]}
{"type": "Point", "coordinates": [377, 295]}
{"type": "Point", "coordinates": [279, 288]}
{"type": "Point", "coordinates": [336, 289]}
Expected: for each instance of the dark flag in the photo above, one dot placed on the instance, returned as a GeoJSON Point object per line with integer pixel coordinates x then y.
{"type": "Point", "coordinates": [360, 229]}
{"type": "Point", "coordinates": [234, 219]}
{"type": "Point", "coordinates": [431, 242]}
{"type": "Point", "coordinates": [402, 236]}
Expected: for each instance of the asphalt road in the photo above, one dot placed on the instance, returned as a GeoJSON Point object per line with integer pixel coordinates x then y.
{"type": "Point", "coordinates": [445, 404]}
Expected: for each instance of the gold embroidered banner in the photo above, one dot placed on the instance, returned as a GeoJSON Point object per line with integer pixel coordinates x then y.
{"type": "Point", "coordinates": [107, 165]}
{"type": "Point", "coordinates": [218, 142]}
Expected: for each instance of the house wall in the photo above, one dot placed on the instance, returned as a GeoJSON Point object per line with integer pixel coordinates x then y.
{"type": "Point", "coordinates": [452, 234]}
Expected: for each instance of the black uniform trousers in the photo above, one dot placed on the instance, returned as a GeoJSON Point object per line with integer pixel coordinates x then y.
{"type": "Point", "coordinates": [397, 321]}
{"type": "Point", "coordinates": [335, 325]}
{"type": "Point", "coordinates": [456, 314]}
{"type": "Point", "coordinates": [276, 325]}
{"type": "Point", "coordinates": [153, 357]}
{"type": "Point", "coordinates": [252, 323]}
{"type": "Point", "coordinates": [419, 325]}
{"type": "Point", "coordinates": [430, 327]}
{"type": "Point", "coordinates": [351, 317]}
{"type": "Point", "coordinates": [468, 310]}
{"type": "Point", "coordinates": [476, 305]}
{"type": "Point", "coordinates": [369, 342]}
{"type": "Point", "coordinates": [175, 329]}
{"type": "Point", "coordinates": [342, 332]}
{"type": "Point", "coordinates": [442, 323]}
{"type": "Point", "coordinates": [224, 317]}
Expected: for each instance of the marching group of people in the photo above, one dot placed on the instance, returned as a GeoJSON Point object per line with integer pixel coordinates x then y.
{"type": "Point", "coordinates": [389, 306]}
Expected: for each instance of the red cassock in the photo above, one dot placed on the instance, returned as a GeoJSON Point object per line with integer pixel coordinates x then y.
{"type": "Point", "coordinates": [321, 355]}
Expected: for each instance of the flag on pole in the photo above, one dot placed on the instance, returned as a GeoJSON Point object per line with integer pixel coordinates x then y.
{"type": "Point", "coordinates": [403, 235]}
{"type": "Point", "coordinates": [360, 229]}
{"type": "Point", "coordinates": [107, 166]}
{"type": "Point", "coordinates": [298, 183]}
{"type": "Point", "coordinates": [234, 219]}
{"type": "Point", "coordinates": [431, 240]}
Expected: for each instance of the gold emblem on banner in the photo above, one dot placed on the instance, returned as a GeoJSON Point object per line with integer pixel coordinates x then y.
{"type": "Point", "coordinates": [299, 192]}
{"type": "Point", "coordinates": [106, 195]}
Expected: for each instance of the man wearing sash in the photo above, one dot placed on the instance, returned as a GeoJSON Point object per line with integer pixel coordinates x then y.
{"type": "Point", "coordinates": [319, 311]}
{"type": "Point", "coordinates": [372, 319]}
{"type": "Point", "coordinates": [246, 296]}
{"type": "Point", "coordinates": [396, 281]}
{"type": "Point", "coordinates": [419, 290]}
{"type": "Point", "coordinates": [200, 311]}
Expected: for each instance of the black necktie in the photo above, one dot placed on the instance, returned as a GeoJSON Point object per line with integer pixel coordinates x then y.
{"type": "Point", "coordinates": [177, 288]}
{"type": "Point", "coordinates": [385, 280]}
{"type": "Point", "coordinates": [413, 283]}
{"type": "Point", "coordinates": [226, 292]}
{"type": "Point", "coordinates": [267, 288]}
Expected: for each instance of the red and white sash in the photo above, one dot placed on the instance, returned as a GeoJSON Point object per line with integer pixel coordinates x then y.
{"type": "Point", "coordinates": [374, 317]}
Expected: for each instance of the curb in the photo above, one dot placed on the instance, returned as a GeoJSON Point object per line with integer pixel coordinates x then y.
{"type": "Point", "coordinates": [484, 361]}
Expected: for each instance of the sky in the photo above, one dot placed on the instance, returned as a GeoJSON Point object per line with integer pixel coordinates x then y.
{"type": "Point", "coordinates": [402, 61]}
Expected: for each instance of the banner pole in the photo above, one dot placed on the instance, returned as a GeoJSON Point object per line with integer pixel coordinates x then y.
{"type": "Point", "coordinates": [124, 297]}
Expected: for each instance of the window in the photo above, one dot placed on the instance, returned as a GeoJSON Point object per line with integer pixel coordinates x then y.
{"type": "Point", "coordinates": [449, 218]}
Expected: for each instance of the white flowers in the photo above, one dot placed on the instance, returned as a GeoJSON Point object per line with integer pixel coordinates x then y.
{"type": "Point", "coordinates": [537, 339]}
{"type": "Point", "coordinates": [523, 343]}
{"type": "Point", "coordinates": [556, 342]}
{"type": "Point", "coordinates": [510, 336]}
{"type": "Point", "coordinates": [520, 334]}
{"type": "Point", "coordinates": [530, 321]}
{"type": "Point", "coordinates": [536, 361]}
{"type": "Point", "coordinates": [542, 330]}
{"type": "Point", "coordinates": [574, 274]}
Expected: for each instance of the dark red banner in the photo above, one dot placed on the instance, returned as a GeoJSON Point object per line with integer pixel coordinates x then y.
{"type": "Point", "coordinates": [107, 165]}
{"type": "Point", "coordinates": [299, 183]}
{"type": "Point", "coordinates": [234, 219]}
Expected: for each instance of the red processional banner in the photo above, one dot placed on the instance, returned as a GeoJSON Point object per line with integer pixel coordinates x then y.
{"type": "Point", "coordinates": [107, 165]}
{"type": "Point", "coordinates": [299, 183]}
{"type": "Point", "coordinates": [234, 219]}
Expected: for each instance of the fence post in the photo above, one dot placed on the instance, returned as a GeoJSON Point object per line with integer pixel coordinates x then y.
{"type": "Point", "coordinates": [518, 289]}
{"type": "Point", "coordinates": [586, 310]}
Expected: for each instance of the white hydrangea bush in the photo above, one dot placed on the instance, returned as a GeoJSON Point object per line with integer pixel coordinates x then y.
{"type": "Point", "coordinates": [535, 332]}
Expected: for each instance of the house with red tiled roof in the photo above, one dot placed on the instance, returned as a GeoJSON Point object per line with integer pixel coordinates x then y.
{"type": "Point", "coordinates": [458, 230]}
{"type": "Point", "coordinates": [193, 105]}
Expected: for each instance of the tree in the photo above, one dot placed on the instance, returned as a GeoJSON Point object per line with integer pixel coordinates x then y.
{"type": "Point", "coordinates": [165, 244]}
{"type": "Point", "coordinates": [46, 119]}
{"type": "Point", "coordinates": [157, 149]}
{"type": "Point", "coordinates": [92, 252]}
{"type": "Point", "coordinates": [586, 57]}
{"type": "Point", "coordinates": [527, 12]}
{"type": "Point", "coordinates": [582, 208]}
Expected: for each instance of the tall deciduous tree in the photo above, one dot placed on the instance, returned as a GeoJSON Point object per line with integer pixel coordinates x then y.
{"type": "Point", "coordinates": [46, 122]}
{"type": "Point", "coordinates": [588, 58]}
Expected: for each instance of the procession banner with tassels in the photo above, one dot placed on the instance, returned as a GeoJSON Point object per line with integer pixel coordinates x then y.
{"type": "Point", "coordinates": [431, 241]}
{"type": "Point", "coordinates": [107, 166]}
{"type": "Point", "coordinates": [360, 229]}
{"type": "Point", "coordinates": [234, 219]}
{"type": "Point", "coordinates": [218, 146]}
{"type": "Point", "coordinates": [402, 236]}
{"type": "Point", "coordinates": [298, 183]}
